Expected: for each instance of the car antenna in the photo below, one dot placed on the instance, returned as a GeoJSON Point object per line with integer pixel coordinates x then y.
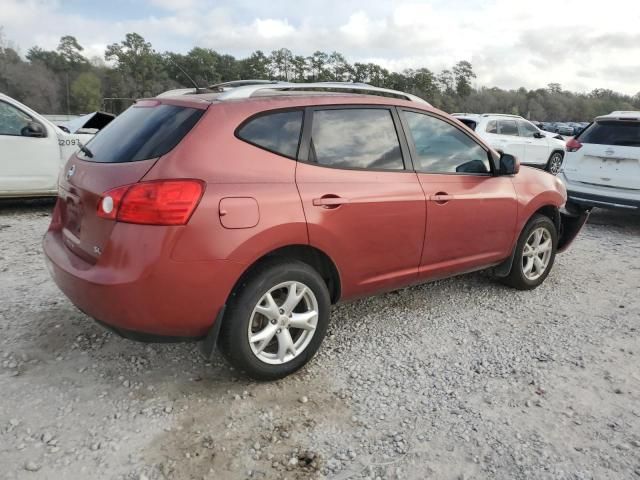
{"type": "Point", "coordinates": [195, 85]}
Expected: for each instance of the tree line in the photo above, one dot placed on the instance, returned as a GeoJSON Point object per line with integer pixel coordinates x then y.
{"type": "Point", "coordinates": [64, 80]}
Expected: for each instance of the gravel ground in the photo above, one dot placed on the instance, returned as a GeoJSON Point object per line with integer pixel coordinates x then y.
{"type": "Point", "coordinates": [458, 379]}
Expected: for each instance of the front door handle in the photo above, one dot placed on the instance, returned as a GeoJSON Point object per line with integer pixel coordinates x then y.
{"type": "Point", "coordinates": [329, 201]}
{"type": "Point", "coordinates": [441, 198]}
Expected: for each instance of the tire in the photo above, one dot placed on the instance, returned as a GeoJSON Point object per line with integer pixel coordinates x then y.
{"type": "Point", "coordinates": [518, 277]}
{"type": "Point", "coordinates": [251, 312]}
{"type": "Point", "coordinates": [555, 163]}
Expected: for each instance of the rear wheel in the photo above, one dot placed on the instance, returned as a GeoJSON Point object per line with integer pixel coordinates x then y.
{"type": "Point", "coordinates": [276, 321]}
{"type": "Point", "coordinates": [555, 163]}
{"type": "Point", "coordinates": [534, 255]}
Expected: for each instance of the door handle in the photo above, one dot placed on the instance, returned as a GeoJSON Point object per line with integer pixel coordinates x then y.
{"type": "Point", "coordinates": [441, 198]}
{"type": "Point", "coordinates": [329, 201]}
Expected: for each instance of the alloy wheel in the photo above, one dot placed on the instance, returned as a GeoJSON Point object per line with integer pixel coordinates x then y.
{"type": "Point", "coordinates": [283, 323]}
{"type": "Point", "coordinates": [555, 163]}
{"type": "Point", "coordinates": [537, 253]}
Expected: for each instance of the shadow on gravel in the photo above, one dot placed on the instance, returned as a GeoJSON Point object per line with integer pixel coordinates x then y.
{"type": "Point", "coordinates": [630, 222]}
{"type": "Point", "coordinates": [24, 205]}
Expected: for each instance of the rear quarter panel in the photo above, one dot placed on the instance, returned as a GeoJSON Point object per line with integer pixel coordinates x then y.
{"type": "Point", "coordinates": [233, 168]}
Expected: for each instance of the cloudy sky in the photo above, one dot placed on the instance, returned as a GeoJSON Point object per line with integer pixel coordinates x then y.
{"type": "Point", "coordinates": [582, 44]}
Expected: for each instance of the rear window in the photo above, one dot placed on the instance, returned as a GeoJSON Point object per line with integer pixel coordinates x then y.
{"type": "Point", "coordinates": [612, 133]}
{"type": "Point", "coordinates": [141, 133]}
{"type": "Point", "coordinates": [277, 132]}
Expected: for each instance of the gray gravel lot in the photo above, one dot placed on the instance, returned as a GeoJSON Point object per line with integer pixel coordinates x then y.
{"type": "Point", "coordinates": [458, 379]}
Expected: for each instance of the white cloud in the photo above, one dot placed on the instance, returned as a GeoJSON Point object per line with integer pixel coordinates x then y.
{"type": "Point", "coordinates": [578, 43]}
{"type": "Point", "coordinates": [270, 28]}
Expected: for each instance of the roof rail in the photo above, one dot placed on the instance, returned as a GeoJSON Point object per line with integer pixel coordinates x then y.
{"type": "Point", "coordinates": [248, 91]}
{"type": "Point", "coordinates": [501, 115]}
{"type": "Point", "coordinates": [240, 83]}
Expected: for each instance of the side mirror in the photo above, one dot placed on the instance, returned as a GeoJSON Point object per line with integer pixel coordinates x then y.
{"type": "Point", "coordinates": [33, 129]}
{"type": "Point", "coordinates": [509, 165]}
{"type": "Point", "coordinates": [538, 135]}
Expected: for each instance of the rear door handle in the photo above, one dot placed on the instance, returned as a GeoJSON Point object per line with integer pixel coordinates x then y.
{"type": "Point", "coordinates": [441, 198]}
{"type": "Point", "coordinates": [329, 201]}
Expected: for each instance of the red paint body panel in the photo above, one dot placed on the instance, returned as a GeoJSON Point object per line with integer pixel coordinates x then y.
{"type": "Point", "coordinates": [136, 286]}
{"type": "Point", "coordinates": [474, 225]}
{"type": "Point", "coordinates": [382, 230]}
{"type": "Point", "coordinates": [375, 238]}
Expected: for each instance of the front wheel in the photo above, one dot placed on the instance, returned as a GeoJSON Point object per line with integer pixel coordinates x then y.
{"type": "Point", "coordinates": [555, 163]}
{"type": "Point", "coordinates": [276, 320]}
{"type": "Point", "coordinates": [534, 255]}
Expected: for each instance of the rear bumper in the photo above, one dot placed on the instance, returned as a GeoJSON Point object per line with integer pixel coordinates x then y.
{"type": "Point", "coordinates": [591, 200]}
{"type": "Point", "coordinates": [603, 197]}
{"type": "Point", "coordinates": [140, 292]}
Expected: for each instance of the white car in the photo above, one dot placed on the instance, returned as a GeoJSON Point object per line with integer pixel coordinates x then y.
{"type": "Point", "coordinates": [602, 166]}
{"type": "Point", "coordinates": [516, 136]}
{"type": "Point", "coordinates": [32, 151]}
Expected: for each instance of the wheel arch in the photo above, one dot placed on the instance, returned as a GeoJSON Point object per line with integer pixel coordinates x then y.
{"type": "Point", "coordinates": [312, 256]}
{"type": "Point", "coordinates": [550, 211]}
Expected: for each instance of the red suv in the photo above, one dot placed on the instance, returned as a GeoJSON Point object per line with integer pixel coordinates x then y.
{"type": "Point", "coordinates": [239, 217]}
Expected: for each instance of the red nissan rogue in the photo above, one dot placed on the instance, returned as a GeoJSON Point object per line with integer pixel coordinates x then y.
{"type": "Point", "coordinates": [239, 216]}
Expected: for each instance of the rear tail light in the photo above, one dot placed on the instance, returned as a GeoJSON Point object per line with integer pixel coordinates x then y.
{"type": "Point", "coordinates": [573, 145]}
{"type": "Point", "coordinates": [165, 202]}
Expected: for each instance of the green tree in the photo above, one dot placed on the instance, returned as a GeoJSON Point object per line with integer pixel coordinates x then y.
{"type": "Point", "coordinates": [463, 75]}
{"type": "Point", "coordinates": [136, 60]}
{"type": "Point", "coordinates": [256, 66]}
{"type": "Point", "coordinates": [86, 92]}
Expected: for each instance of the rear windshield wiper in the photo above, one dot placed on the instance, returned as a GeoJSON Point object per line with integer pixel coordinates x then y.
{"type": "Point", "coordinates": [86, 151]}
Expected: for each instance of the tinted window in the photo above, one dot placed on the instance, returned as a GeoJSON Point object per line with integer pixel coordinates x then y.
{"type": "Point", "coordinates": [355, 138]}
{"type": "Point", "coordinates": [492, 127]}
{"type": "Point", "coordinates": [612, 133]}
{"type": "Point", "coordinates": [277, 132]}
{"type": "Point", "coordinates": [12, 120]}
{"type": "Point", "coordinates": [507, 127]}
{"type": "Point", "coordinates": [468, 122]}
{"type": "Point", "coordinates": [442, 148]}
{"type": "Point", "coordinates": [527, 129]}
{"type": "Point", "coordinates": [142, 132]}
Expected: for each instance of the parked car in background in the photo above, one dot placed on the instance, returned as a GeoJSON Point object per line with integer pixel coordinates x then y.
{"type": "Point", "coordinates": [602, 167]}
{"type": "Point", "coordinates": [563, 129]}
{"type": "Point", "coordinates": [547, 126]}
{"type": "Point", "coordinates": [241, 216]}
{"type": "Point", "coordinates": [32, 150]}
{"type": "Point", "coordinates": [576, 127]}
{"type": "Point", "coordinates": [516, 136]}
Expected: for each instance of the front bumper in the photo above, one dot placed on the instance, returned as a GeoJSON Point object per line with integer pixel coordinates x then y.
{"type": "Point", "coordinates": [142, 293]}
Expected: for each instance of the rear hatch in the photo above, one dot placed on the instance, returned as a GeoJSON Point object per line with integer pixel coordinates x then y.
{"type": "Point", "coordinates": [608, 154]}
{"type": "Point", "coordinates": [120, 154]}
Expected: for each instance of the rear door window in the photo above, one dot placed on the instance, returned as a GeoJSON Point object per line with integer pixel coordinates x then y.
{"type": "Point", "coordinates": [278, 132]}
{"type": "Point", "coordinates": [142, 132]}
{"type": "Point", "coordinates": [507, 127]}
{"type": "Point", "coordinates": [355, 138]}
{"type": "Point", "coordinates": [492, 127]}
{"type": "Point", "coordinates": [612, 133]}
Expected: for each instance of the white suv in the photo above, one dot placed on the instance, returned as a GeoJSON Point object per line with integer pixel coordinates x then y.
{"type": "Point", "coordinates": [602, 167]}
{"type": "Point", "coordinates": [516, 136]}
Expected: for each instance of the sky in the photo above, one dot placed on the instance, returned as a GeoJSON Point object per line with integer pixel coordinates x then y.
{"type": "Point", "coordinates": [581, 44]}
